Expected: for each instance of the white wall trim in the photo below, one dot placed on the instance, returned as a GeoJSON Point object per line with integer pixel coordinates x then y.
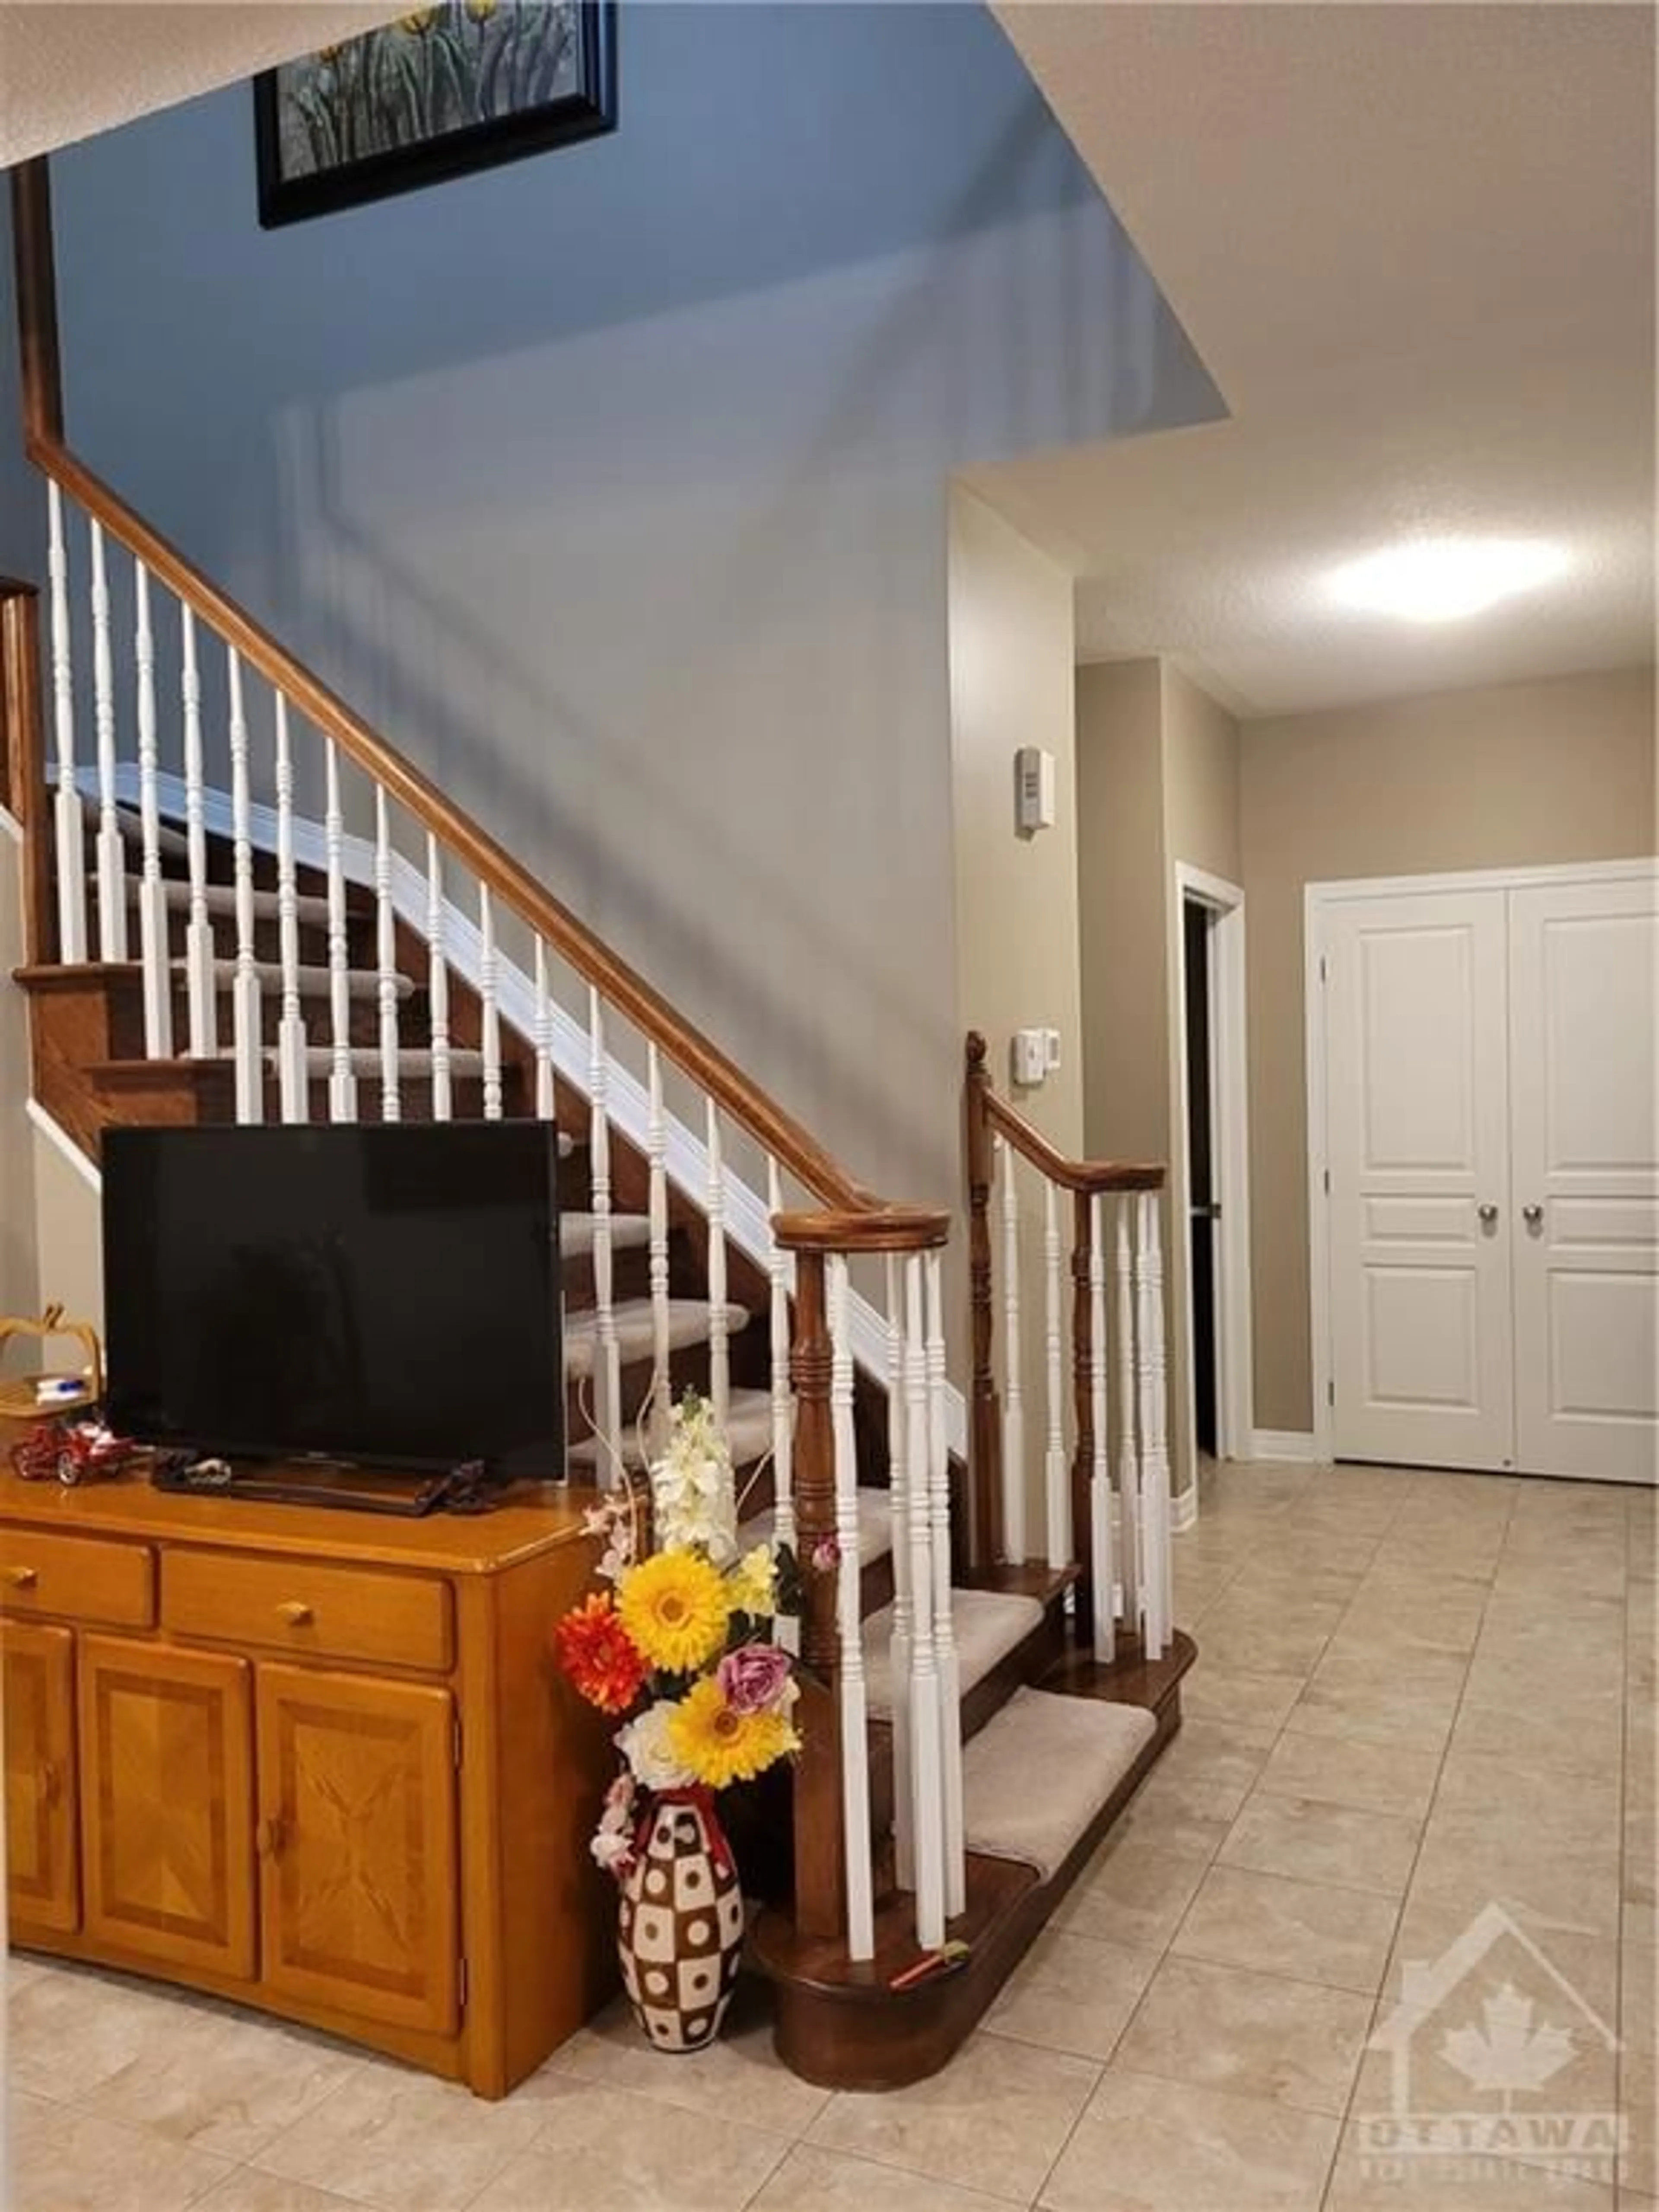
{"type": "Point", "coordinates": [1230, 1126]}
{"type": "Point", "coordinates": [1296, 1445]}
{"type": "Point", "coordinates": [686, 1157]}
{"type": "Point", "coordinates": [1480, 879]}
{"type": "Point", "coordinates": [64, 1144]}
{"type": "Point", "coordinates": [1317, 900]}
{"type": "Point", "coordinates": [10, 826]}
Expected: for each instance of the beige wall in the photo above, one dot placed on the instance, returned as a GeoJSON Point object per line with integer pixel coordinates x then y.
{"type": "Point", "coordinates": [1200, 780]}
{"type": "Point", "coordinates": [68, 1227]}
{"type": "Point", "coordinates": [1506, 777]}
{"type": "Point", "coordinates": [1012, 651]}
{"type": "Point", "coordinates": [1121, 910]}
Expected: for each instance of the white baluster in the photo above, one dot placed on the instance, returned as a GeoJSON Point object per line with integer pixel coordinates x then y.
{"type": "Point", "coordinates": [247, 1015]}
{"type": "Point", "coordinates": [152, 895]}
{"type": "Point", "coordinates": [343, 1077]}
{"type": "Point", "coordinates": [607, 1364]}
{"type": "Point", "coordinates": [926, 1752]}
{"type": "Point", "coordinates": [783, 1425]}
{"type": "Point", "coordinates": [903, 1636]}
{"type": "Point", "coordinates": [719, 1358]}
{"type": "Point", "coordinates": [950, 1672]}
{"type": "Point", "coordinates": [386, 963]}
{"type": "Point", "coordinates": [199, 948]}
{"type": "Point", "coordinates": [656, 1149]}
{"type": "Point", "coordinates": [111, 854]}
{"type": "Point", "coordinates": [489, 1005]}
{"type": "Point", "coordinates": [545, 1100]}
{"type": "Point", "coordinates": [855, 1714]}
{"type": "Point", "coordinates": [292, 1087]}
{"type": "Point", "coordinates": [68, 821]}
{"type": "Point", "coordinates": [1056, 1500]}
{"type": "Point", "coordinates": [1128, 1458]}
{"type": "Point", "coordinates": [1155, 1464]}
{"type": "Point", "coordinates": [437, 981]}
{"type": "Point", "coordinates": [1101, 1560]}
{"type": "Point", "coordinates": [1013, 1386]}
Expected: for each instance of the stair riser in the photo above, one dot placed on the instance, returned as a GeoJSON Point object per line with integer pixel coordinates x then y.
{"type": "Point", "coordinates": [267, 936]}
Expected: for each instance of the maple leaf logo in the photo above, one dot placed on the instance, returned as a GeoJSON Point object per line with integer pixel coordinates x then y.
{"type": "Point", "coordinates": [1509, 2056]}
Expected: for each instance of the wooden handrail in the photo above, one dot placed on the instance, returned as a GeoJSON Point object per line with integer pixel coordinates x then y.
{"type": "Point", "coordinates": [878, 1229]}
{"type": "Point", "coordinates": [794, 1150]}
{"type": "Point", "coordinates": [1085, 1176]}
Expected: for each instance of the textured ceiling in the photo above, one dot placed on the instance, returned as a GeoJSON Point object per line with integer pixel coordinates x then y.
{"type": "Point", "coordinates": [1414, 247]}
{"type": "Point", "coordinates": [68, 70]}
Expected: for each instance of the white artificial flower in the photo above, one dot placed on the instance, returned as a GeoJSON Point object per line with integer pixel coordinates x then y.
{"type": "Point", "coordinates": [644, 1744]}
{"type": "Point", "coordinates": [693, 1495]}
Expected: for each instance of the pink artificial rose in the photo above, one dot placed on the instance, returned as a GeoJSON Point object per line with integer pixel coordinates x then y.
{"type": "Point", "coordinates": [753, 1677]}
{"type": "Point", "coordinates": [826, 1555]}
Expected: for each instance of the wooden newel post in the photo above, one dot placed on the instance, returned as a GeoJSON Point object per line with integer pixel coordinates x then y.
{"type": "Point", "coordinates": [820, 1864]}
{"type": "Point", "coordinates": [1082, 1457]}
{"type": "Point", "coordinates": [985, 1436]}
{"type": "Point", "coordinates": [22, 757]}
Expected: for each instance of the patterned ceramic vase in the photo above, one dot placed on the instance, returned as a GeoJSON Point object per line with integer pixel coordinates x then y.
{"type": "Point", "coordinates": [679, 1932]}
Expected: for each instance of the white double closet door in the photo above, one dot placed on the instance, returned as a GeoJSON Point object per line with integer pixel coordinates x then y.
{"type": "Point", "coordinates": [1492, 1150]}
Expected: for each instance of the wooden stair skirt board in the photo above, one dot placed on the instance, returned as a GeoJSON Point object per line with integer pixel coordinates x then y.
{"type": "Point", "coordinates": [1043, 1782]}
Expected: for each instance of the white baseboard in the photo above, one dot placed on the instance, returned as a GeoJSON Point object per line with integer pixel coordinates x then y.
{"type": "Point", "coordinates": [1183, 1509]}
{"type": "Point", "coordinates": [64, 1144]}
{"type": "Point", "coordinates": [1293, 1444]}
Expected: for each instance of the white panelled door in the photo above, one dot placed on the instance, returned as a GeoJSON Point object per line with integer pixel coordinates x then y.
{"type": "Point", "coordinates": [1418, 1119]}
{"type": "Point", "coordinates": [1583, 985]}
{"type": "Point", "coordinates": [1493, 1152]}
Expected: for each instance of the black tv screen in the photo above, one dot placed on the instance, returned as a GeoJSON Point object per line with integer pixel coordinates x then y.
{"type": "Point", "coordinates": [385, 1295]}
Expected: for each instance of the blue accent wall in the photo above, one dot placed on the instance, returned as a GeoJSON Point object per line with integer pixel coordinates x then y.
{"type": "Point", "coordinates": [612, 482]}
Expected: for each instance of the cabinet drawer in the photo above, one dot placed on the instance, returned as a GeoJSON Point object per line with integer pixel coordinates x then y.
{"type": "Point", "coordinates": [76, 1578]}
{"type": "Point", "coordinates": [291, 1605]}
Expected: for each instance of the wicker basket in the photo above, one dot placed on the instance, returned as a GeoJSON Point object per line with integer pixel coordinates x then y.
{"type": "Point", "coordinates": [19, 1397]}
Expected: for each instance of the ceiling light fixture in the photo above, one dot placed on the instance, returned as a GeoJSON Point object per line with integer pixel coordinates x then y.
{"type": "Point", "coordinates": [1437, 580]}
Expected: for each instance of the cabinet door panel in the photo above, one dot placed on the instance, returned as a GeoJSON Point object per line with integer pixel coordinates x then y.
{"type": "Point", "coordinates": [167, 1745]}
{"type": "Point", "coordinates": [42, 1877]}
{"type": "Point", "coordinates": [357, 1846]}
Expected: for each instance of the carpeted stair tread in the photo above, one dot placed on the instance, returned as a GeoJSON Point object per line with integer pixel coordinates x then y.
{"type": "Point", "coordinates": [986, 1623]}
{"type": "Point", "coordinates": [311, 980]}
{"type": "Point", "coordinates": [1039, 1771]}
{"type": "Point", "coordinates": [220, 902]}
{"type": "Point", "coordinates": [875, 1526]}
{"type": "Point", "coordinates": [629, 1231]}
{"type": "Point", "coordinates": [748, 1431]}
{"type": "Point", "coordinates": [688, 1324]}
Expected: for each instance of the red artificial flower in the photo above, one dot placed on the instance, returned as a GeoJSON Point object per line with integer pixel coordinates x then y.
{"type": "Point", "coordinates": [600, 1655]}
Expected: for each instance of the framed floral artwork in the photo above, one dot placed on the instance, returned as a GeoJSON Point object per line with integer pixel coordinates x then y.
{"type": "Point", "coordinates": [442, 90]}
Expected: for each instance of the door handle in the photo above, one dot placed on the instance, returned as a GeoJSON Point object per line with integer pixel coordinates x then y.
{"type": "Point", "coordinates": [1210, 1212]}
{"type": "Point", "coordinates": [1488, 1214]}
{"type": "Point", "coordinates": [23, 1578]}
{"type": "Point", "coordinates": [268, 1838]}
{"type": "Point", "coordinates": [1533, 1215]}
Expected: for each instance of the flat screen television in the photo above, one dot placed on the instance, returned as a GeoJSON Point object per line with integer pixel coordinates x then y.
{"type": "Point", "coordinates": [381, 1295]}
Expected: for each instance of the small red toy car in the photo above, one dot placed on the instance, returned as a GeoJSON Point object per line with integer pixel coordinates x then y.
{"type": "Point", "coordinates": [71, 1451]}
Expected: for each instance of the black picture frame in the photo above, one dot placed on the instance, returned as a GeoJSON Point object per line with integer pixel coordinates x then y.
{"type": "Point", "coordinates": [423, 58]}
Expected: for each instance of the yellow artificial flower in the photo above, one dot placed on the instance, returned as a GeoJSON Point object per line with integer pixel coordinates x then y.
{"type": "Point", "coordinates": [752, 1584]}
{"type": "Point", "coordinates": [674, 1605]}
{"type": "Point", "coordinates": [718, 1744]}
{"type": "Point", "coordinates": [481, 10]}
{"type": "Point", "coordinates": [418, 22]}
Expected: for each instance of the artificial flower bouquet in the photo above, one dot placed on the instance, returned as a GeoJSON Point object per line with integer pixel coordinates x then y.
{"type": "Point", "coordinates": [679, 1646]}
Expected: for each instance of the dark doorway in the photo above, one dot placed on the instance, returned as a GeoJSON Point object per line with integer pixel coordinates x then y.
{"type": "Point", "coordinates": [1203, 1211]}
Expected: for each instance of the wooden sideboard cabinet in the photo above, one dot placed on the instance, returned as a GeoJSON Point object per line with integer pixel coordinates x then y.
{"type": "Point", "coordinates": [320, 1761]}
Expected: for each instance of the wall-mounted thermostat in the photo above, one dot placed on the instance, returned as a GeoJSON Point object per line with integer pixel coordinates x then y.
{"type": "Point", "coordinates": [1034, 790]}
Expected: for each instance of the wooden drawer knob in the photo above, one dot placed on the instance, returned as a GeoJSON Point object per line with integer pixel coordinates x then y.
{"type": "Point", "coordinates": [23, 1578]}
{"type": "Point", "coordinates": [268, 1838]}
{"type": "Point", "coordinates": [296, 1613]}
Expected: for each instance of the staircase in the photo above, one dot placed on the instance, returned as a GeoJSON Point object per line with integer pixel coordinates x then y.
{"type": "Point", "coordinates": [308, 929]}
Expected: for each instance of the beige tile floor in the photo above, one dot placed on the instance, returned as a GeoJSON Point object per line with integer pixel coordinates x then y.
{"type": "Point", "coordinates": [1421, 1697]}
